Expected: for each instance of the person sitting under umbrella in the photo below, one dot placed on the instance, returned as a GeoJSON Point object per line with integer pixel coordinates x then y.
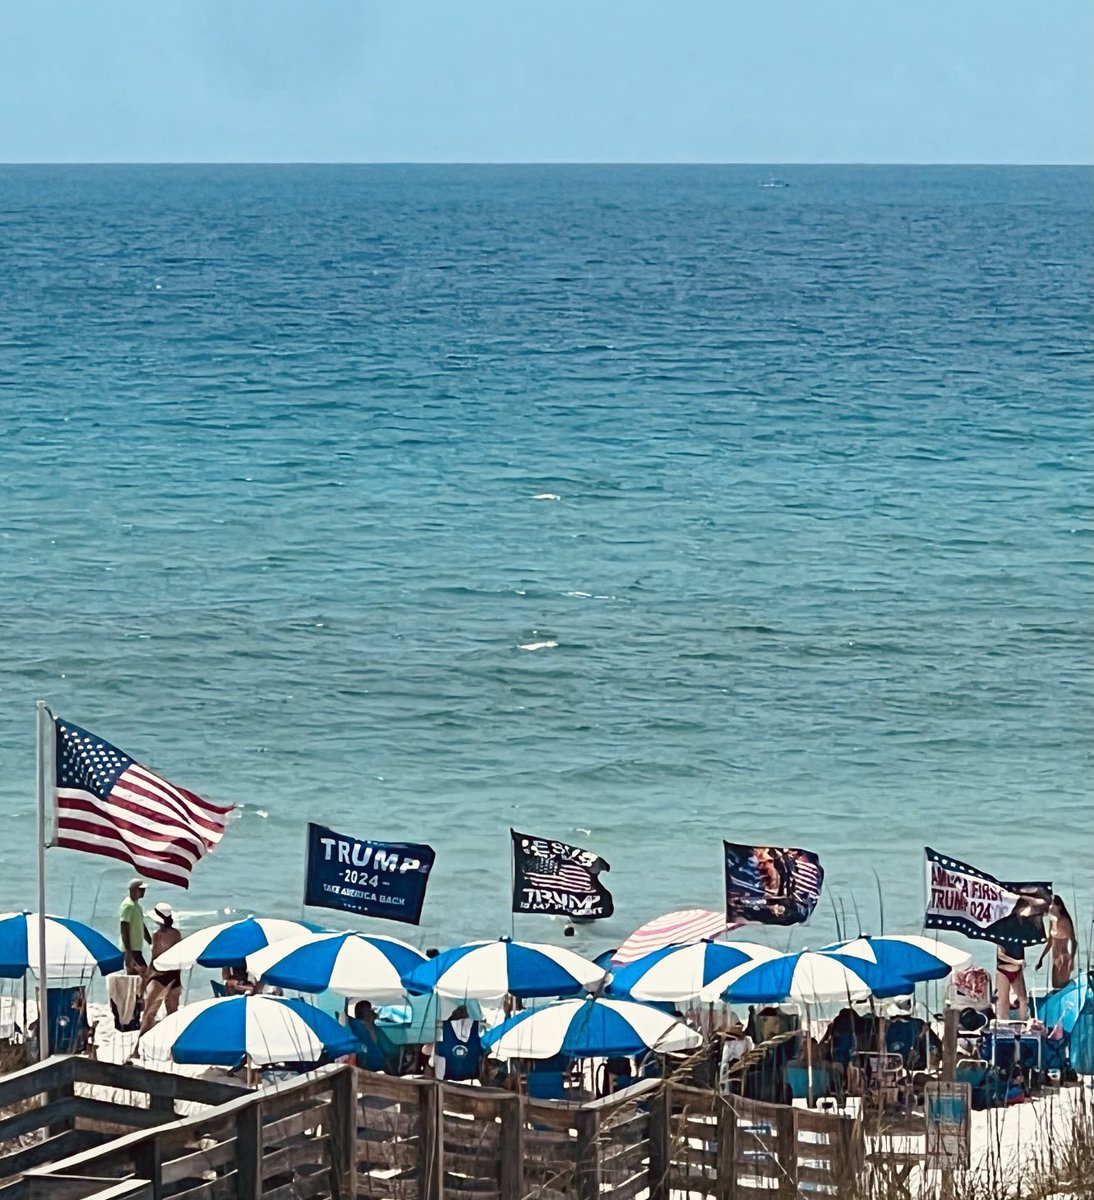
{"type": "Point", "coordinates": [376, 1047]}
{"type": "Point", "coordinates": [237, 982]}
{"type": "Point", "coordinates": [457, 1053]}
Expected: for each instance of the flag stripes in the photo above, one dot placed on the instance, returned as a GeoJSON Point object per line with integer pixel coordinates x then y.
{"type": "Point", "coordinates": [108, 804]}
{"type": "Point", "coordinates": [673, 929]}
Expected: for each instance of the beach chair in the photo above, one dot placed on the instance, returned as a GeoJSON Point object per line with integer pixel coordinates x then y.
{"type": "Point", "coordinates": [545, 1085]}
{"type": "Point", "coordinates": [987, 1084]}
{"type": "Point", "coordinates": [1009, 1048]}
{"type": "Point", "coordinates": [66, 1012]}
{"type": "Point", "coordinates": [796, 1075]}
{"type": "Point", "coordinates": [843, 1048]}
{"type": "Point", "coordinates": [377, 1052]}
{"type": "Point", "coordinates": [907, 1037]}
{"type": "Point", "coordinates": [219, 989]}
{"type": "Point", "coordinates": [882, 1079]}
{"type": "Point", "coordinates": [1055, 1054]}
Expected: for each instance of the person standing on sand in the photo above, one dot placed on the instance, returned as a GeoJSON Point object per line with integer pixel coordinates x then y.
{"type": "Point", "coordinates": [1062, 942]}
{"type": "Point", "coordinates": [164, 987]}
{"type": "Point", "coordinates": [1010, 981]}
{"type": "Point", "coordinates": [133, 930]}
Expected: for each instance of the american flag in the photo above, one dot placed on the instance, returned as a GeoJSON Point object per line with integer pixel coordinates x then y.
{"type": "Point", "coordinates": [807, 879]}
{"type": "Point", "coordinates": [108, 804]}
{"type": "Point", "coordinates": [562, 876]}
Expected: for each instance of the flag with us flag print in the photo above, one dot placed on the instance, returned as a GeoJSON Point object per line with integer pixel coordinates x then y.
{"type": "Point", "coordinates": [557, 878]}
{"type": "Point", "coordinates": [771, 885]}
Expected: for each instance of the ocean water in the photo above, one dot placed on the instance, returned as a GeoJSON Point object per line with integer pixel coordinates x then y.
{"type": "Point", "coordinates": [639, 507]}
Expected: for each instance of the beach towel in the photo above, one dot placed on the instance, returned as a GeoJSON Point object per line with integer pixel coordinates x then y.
{"type": "Point", "coordinates": [124, 992]}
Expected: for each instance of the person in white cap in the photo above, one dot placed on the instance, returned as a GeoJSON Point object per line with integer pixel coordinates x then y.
{"type": "Point", "coordinates": [163, 988]}
{"type": "Point", "coordinates": [133, 930]}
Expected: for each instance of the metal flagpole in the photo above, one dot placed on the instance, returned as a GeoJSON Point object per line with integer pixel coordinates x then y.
{"type": "Point", "coordinates": [512, 887]}
{"type": "Point", "coordinates": [45, 762]}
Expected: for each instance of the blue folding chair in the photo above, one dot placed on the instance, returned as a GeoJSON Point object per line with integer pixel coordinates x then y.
{"type": "Point", "coordinates": [546, 1085]}
{"type": "Point", "coordinates": [797, 1080]}
{"type": "Point", "coordinates": [987, 1084]}
{"type": "Point", "coordinates": [66, 1014]}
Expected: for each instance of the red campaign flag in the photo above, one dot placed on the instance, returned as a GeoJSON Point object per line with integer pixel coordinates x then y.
{"type": "Point", "coordinates": [108, 804]}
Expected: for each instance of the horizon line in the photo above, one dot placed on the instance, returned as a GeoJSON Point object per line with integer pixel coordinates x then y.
{"type": "Point", "coordinates": [304, 162]}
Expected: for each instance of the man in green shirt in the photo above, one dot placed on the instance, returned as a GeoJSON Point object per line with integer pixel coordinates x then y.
{"type": "Point", "coordinates": [134, 931]}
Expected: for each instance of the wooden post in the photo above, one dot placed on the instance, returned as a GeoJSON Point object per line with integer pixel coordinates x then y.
{"type": "Point", "coordinates": [249, 1151]}
{"type": "Point", "coordinates": [660, 1143]}
{"type": "Point", "coordinates": [949, 1044]}
{"type": "Point", "coordinates": [431, 1140]}
{"type": "Point", "coordinates": [147, 1160]}
{"type": "Point", "coordinates": [163, 1105]}
{"type": "Point", "coordinates": [65, 1090]}
{"type": "Point", "coordinates": [950, 1020]}
{"type": "Point", "coordinates": [512, 1146]}
{"type": "Point", "coordinates": [587, 1162]}
{"type": "Point", "coordinates": [344, 1133]}
{"type": "Point", "coordinates": [725, 1187]}
{"type": "Point", "coordinates": [850, 1149]}
{"type": "Point", "coordinates": [786, 1133]}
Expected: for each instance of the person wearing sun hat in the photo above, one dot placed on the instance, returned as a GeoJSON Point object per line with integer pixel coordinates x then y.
{"type": "Point", "coordinates": [134, 933]}
{"type": "Point", "coordinates": [163, 988]}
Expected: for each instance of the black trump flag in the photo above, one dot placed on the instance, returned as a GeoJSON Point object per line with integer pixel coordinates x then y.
{"type": "Point", "coordinates": [556, 878]}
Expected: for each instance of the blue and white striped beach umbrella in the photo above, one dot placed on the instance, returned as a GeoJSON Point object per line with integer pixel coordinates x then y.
{"type": "Point", "coordinates": [488, 970]}
{"type": "Point", "coordinates": [916, 958]}
{"type": "Point", "coordinates": [595, 1027]}
{"type": "Point", "coordinates": [74, 950]}
{"type": "Point", "coordinates": [257, 1031]}
{"type": "Point", "coordinates": [228, 944]}
{"type": "Point", "coordinates": [678, 974]}
{"type": "Point", "coordinates": [365, 966]}
{"type": "Point", "coordinates": [809, 977]}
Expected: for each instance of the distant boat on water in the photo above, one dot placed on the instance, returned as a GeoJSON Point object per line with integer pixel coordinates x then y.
{"type": "Point", "coordinates": [772, 182]}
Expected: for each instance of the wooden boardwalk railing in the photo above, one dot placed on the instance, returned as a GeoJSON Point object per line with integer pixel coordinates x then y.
{"type": "Point", "coordinates": [78, 1103]}
{"type": "Point", "coordinates": [291, 1141]}
{"type": "Point", "coordinates": [422, 1140]}
{"type": "Point", "coordinates": [344, 1134]}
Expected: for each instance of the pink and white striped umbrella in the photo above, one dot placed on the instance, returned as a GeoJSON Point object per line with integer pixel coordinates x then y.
{"type": "Point", "coordinates": [673, 929]}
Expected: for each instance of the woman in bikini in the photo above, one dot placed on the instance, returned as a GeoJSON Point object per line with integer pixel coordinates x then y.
{"type": "Point", "coordinates": [163, 988]}
{"type": "Point", "coordinates": [1062, 942]}
{"type": "Point", "coordinates": [1010, 981]}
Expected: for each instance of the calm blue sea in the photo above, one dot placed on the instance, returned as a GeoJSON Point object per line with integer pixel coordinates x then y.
{"type": "Point", "coordinates": [635, 506]}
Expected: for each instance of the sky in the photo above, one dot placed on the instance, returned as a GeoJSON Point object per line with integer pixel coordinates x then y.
{"type": "Point", "coordinates": [756, 81]}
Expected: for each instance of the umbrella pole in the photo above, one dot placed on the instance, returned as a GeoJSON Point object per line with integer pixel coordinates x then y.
{"type": "Point", "coordinates": [808, 1058]}
{"type": "Point", "coordinates": [45, 761]}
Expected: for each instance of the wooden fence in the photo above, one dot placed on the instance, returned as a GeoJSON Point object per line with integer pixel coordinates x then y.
{"type": "Point", "coordinates": [290, 1141]}
{"type": "Point", "coordinates": [54, 1109]}
{"type": "Point", "coordinates": [422, 1140]}
{"type": "Point", "coordinates": [344, 1134]}
{"type": "Point", "coordinates": [730, 1148]}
